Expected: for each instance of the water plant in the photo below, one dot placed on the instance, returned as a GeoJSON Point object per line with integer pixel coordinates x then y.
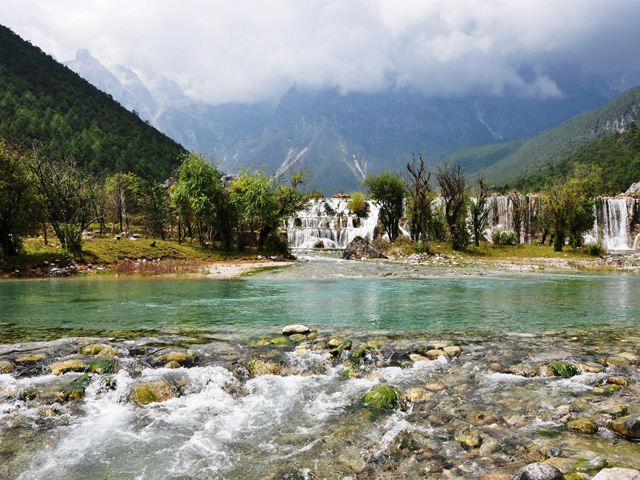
{"type": "Point", "coordinates": [383, 398]}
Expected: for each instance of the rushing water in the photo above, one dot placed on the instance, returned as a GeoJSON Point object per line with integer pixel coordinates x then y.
{"type": "Point", "coordinates": [225, 421]}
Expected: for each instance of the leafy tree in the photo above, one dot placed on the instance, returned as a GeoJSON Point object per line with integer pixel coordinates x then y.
{"type": "Point", "coordinates": [68, 194]}
{"type": "Point", "coordinates": [419, 213]}
{"type": "Point", "coordinates": [255, 198]}
{"type": "Point", "coordinates": [568, 206]}
{"type": "Point", "coordinates": [453, 190]}
{"type": "Point", "coordinates": [155, 207]}
{"type": "Point", "coordinates": [478, 210]}
{"type": "Point", "coordinates": [194, 195]}
{"type": "Point", "coordinates": [389, 191]}
{"type": "Point", "coordinates": [20, 208]}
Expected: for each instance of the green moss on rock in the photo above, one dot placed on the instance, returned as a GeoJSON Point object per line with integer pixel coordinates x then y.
{"type": "Point", "coordinates": [564, 370]}
{"type": "Point", "coordinates": [58, 368]}
{"type": "Point", "coordinates": [382, 398]}
{"type": "Point", "coordinates": [151, 392]}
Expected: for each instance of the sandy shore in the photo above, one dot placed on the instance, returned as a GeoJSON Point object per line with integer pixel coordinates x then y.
{"type": "Point", "coordinates": [228, 270]}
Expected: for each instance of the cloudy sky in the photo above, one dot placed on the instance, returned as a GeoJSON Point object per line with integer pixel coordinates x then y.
{"type": "Point", "coordinates": [250, 50]}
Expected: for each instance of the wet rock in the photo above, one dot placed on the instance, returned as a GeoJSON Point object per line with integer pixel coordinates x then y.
{"type": "Point", "coordinates": [434, 387]}
{"type": "Point", "coordinates": [281, 340]}
{"type": "Point", "coordinates": [545, 371]}
{"type": "Point", "coordinates": [297, 337]}
{"type": "Point", "coordinates": [582, 425]}
{"type": "Point", "coordinates": [434, 354]}
{"type": "Point", "coordinates": [259, 367]}
{"type": "Point", "coordinates": [383, 398]}
{"type": "Point", "coordinates": [101, 367]}
{"type": "Point", "coordinates": [452, 350]}
{"type": "Point", "coordinates": [6, 366]}
{"type": "Point", "coordinates": [185, 357]}
{"type": "Point", "coordinates": [292, 329]}
{"type": "Point", "coordinates": [606, 390]}
{"type": "Point", "coordinates": [614, 410]}
{"type": "Point", "coordinates": [565, 465]}
{"type": "Point", "coordinates": [338, 345]}
{"type": "Point", "coordinates": [618, 381]}
{"type": "Point", "coordinates": [76, 389]}
{"type": "Point", "coordinates": [98, 349]}
{"type": "Point", "coordinates": [482, 417]}
{"type": "Point", "coordinates": [596, 463]}
{"type": "Point", "coordinates": [489, 446]}
{"type": "Point", "coordinates": [415, 395]}
{"type": "Point", "coordinates": [151, 392]}
{"type": "Point", "coordinates": [359, 248]}
{"type": "Point", "coordinates": [618, 361]}
{"type": "Point", "coordinates": [627, 426]}
{"type": "Point", "coordinates": [580, 405]}
{"type": "Point", "coordinates": [74, 365]}
{"type": "Point", "coordinates": [538, 471]}
{"type": "Point", "coordinates": [632, 357]}
{"type": "Point", "coordinates": [522, 369]}
{"type": "Point", "coordinates": [589, 367]}
{"type": "Point", "coordinates": [564, 370]}
{"type": "Point", "coordinates": [416, 357]}
{"type": "Point", "coordinates": [30, 359]}
{"type": "Point", "coordinates": [172, 364]}
{"type": "Point", "coordinates": [496, 367]}
{"type": "Point", "coordinates": [617, 474]}
{"type": "Point", "coordinates": [468, 436]}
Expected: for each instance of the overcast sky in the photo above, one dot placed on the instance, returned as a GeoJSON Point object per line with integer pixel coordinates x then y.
{"type": "Point", "coordinates": [250, 50]}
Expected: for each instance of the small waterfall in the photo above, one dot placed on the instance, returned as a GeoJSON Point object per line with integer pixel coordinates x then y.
{"type": "Point", "coordinates": [614, 223]}
{"type": "Point", "coordinates": [330, 221]}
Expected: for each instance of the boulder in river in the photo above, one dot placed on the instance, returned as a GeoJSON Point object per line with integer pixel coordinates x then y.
{"type": "Point", "coordinates": [538, 471]}
{"type": "Point", "coordinates": [359, 248]}
{"type": "Point", "coordinates": [64, 366]}
{"type": "Point", "coordinates": [618, 474]}
{"type": "Point", "coordinates": [6, 366]}
{"type": "Point", "coordinates": [151, 392]}
{"type": "Point", "coordinates": [383, 398]}
{"type": "Point", "coordinates": [293, 329]}
{"type": "Point", "coordinates": [627, 426]}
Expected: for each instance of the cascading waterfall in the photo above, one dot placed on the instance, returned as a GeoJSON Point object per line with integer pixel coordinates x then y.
{"type": "Point", "coordinates": [329, 220]}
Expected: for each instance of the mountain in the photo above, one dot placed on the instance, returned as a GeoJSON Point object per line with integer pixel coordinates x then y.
{"type": "Point", "coordinates": [616, 154]}
{"type": "Point", "coordinates": [44, 103]}
{"type": "Point", "coordinates": [506, 162]}
{"type": "Point", "coordinates": [340, 138]}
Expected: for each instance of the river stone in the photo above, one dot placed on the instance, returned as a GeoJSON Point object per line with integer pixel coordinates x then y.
{"type": "Point", "coordinates": [482, 417]}
{"type": "Point", "coordinates": [384, 398]}
{"type": "Point", "coordinates": [292, 329]}
{"type": "Point", "coordinates": [6, 366]}
{"type": "Point", "coordinates": [627, 426]}
{"type": "Point", "coordinates": [416, 357]}
{"type": "Point", "coordinates": [434, 354]}
{"type": "Point", "coordinates": [359, 248]}
{"type": "Point", "coordinates": [582, 425]}
{"type": "Point", "coordinates": [415, 395]}
{"type": "Point", "coordinates": [151, 392]}
{"type": "Point", "coordinates": [99, 349]}
{"type": "Point", "coordinates": [617, 474]}
{"type": "Point", "coordinates": [30, 359]}
{"type": "Point", "coordinates": [545, 371]}
{"type": "Point", "coordinates": [565, 465]}
{"type": "Point", "coordinates": [434, 387]}
{"type": "Point", "coordinates": [632, 357]}
{"type": "Point", "coordinates": [184, 357]}
{"type": "Point", "coordinates": [594, 464]}
{"type": "Point", "coordinates": [260, 367]}
{"type": "Point", "coordinates": [74, 365]}
{"type": "Point", "coordinates": [538, 471]}
{"type": "Point", "coordinates": [618, 381]}
{"type": "Point", "coordinates": [452, 350]}
{"type": "Point", "coordinates": [172, 364]}
{"type": "Point", "coordinates": [618, 361]}
{"type": "Point", "coordinates": [468, 436]}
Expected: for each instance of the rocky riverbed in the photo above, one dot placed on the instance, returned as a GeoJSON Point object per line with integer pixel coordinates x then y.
{"type": "Point", "coordinates": [320, 404]}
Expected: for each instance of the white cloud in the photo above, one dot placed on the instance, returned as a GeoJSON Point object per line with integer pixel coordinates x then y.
{"type": "Point", "coordinates": [251, 50]}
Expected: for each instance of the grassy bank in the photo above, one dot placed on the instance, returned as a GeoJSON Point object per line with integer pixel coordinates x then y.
{"type": "Point", "coordinates": [105, 255]}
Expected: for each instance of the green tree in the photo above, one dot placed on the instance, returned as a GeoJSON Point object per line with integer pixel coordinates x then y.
{"type": "Point", "coordinates": [357, 203]}
{"type": "Point", "coordinates": [255, 198]}
{"type": "Point", "coordinates": [155, 207]}
{"type": "Point", "coordinates": [389, 191]}
{"type": "Point", "coordinates": [568, 205]}
{"type": "Point", "coordinates": [453, 190]}
{"type": "Point", "coordinates": [194, 195]}
{"type": "Point", "coordinates": [20, 210]}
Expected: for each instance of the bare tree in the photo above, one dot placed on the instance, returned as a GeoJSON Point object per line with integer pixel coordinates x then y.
{"type": "Point", "coordinates": [419, 199]}
{"type": "Point", "coordinates": [479, 211]}
{"type": "Point", "coordinates": [453, 189]}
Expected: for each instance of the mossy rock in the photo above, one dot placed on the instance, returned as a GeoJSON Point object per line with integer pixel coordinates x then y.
{"type": "Point", "coordinates": [261, 342]}
{"type": "Point", "coordinates": [30, 359]}
{"type": "Point", "coordinates": [280, 340]}
{"type": "Point", "coordinates": [608, 390]}
{"type": "Point", "coordinates": [6, 366]}
{"type": "Point", "coordinates": [76, 388]}
{"type": "Point", "coordinates": [373, 345]}
{"type": "Point", "coordinates": [582, 425]}
{"type": "Point", "coordinates": [297, 337]}
{"type": "Point", "coordinates": [101, 367]}
{"type": "Point", "coordinates": [349, 373]}
{"type": "Point", "coordinates": [356, 358]}
{"type": "Point", "coordinates": [74, 365]}
{"type": "Point", "coordinates": [627, 426]}
{"type": "Point", "coordinates": [564, 370]}
{"type": "Point", "coordinates": [183, 357]}
{"type": "Point", "coordinates": [382, 398]}
{"type": "Point", "coordinates": [618, 361]}
{"type": "Point", "coordinates": [98, 349]}
{"type": "Point", "coordinates": [260, 367]}
{"type": "Point", "coordinates": [151, 392]}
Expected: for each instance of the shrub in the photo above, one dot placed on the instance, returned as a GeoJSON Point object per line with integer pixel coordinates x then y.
{"type": "Point", "coordinates": [357, 203]}
{"type": "Point", "coordinates": [595, 249]}
{"type": "Point", "coordinates": [504, 237]}
{"type": "Point", "coordinates": [276, 243]}
{"type": "Point", "coordinates": [421, 247]}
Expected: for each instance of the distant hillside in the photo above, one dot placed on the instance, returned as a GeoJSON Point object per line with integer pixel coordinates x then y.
{"type": "Point", "coordinates": [618, 155]}
{"type": "Point", "coordinates": [507, 162]}
{"type": "Point", "coordinates": [44, 102]}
